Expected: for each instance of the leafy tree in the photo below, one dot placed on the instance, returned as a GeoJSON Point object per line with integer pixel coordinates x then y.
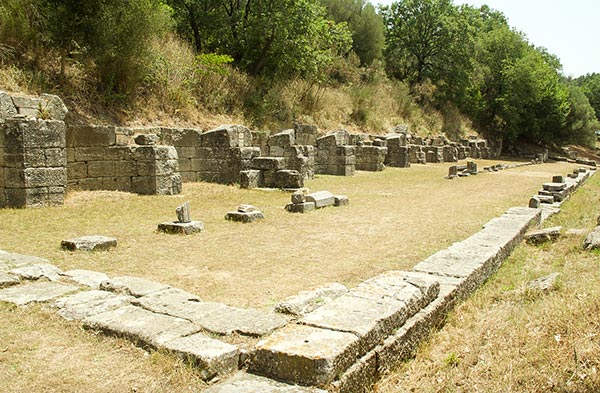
{"type": "Point", "coordinates": [278, 38]}
{"type": "Point", "coordinates": [590, 85]}
{"type": "Point", "coordinates": [368, 37]}
{"type": "Point", "coordinates": [581, 120]}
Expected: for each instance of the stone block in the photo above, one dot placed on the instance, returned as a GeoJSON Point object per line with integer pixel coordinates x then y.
{"type": "Point", "coordinates": [227, 136]}
{"type": "Point", "coordinates": [288, 179]}
{"type": "Point", "coordinates": [86, 277]}
{"type": "Point", "coordinates": [7, 107]}
{"type": "Point", "coordinates": [88, 303]}
{"type": "Point", "coordinates": [245, 217]}
{"type": "Point", "coordinates": [53, 107]}
{"type": "Point", "coordinates": [284, 138]}
{"type": "Point", "coordinates": [91, 136]}
{"type": "Point", "coordinates": [183, 213]}
{"type": "Point", "coordinates": [543, 284]}
{"type": "Point", "coordinates": [321, 199]}
{"type": "Point", "coordinates": [146, 139]}
{"type": "Point", "coordinates": [37, 271]}
{"type": "Point", "coordinates": [36, 292]}
{"type": "Point", "coordinates": [175, 227]}
{"type": "Point", "coordinates": [44, 177]}
{"type": "Point", "coordinates": [89, 243]}
{"type": "Point", "coordinates": [249, 383]}
{"type": "Point", "coordinates": [543, 235]}
{"type": "Point", "coordinates": [250, 178]}
{"type": "Point", "coordinates": [554, 187]}
{"type": "Point", "coordinates": [268, 163]}
{"type": "Point", "coordinates": [91, 184]}
{"type": "Point", "coordinates": [181, 136]}
{"type": "Point", "coordinates": [340, 200]}
{"type": "Point", "coordinates": [305, 355]}
{"type": "Point", "coordinates": [133, 286]}
{"type": "Point", "coordinates": [56, 157]}
{"type": "Point", "coordinates": [8, 280]}
{"type": "Point", "coordinates": [212, 357]}
{"type": "Point", "coordinates": [141, 326]}
{"type": "Point", "coordinates": [592, 241]}
{"type": "Point", "coordinates": [300, 207]}
{"type": "Point", "coordinates": [22, 134]}
{"type": "Point", "coordinates": [360, 377]}
{"type": "Point", "coordinates": [309, 300]}
{"type": "Point", "coordinates": [336, 138]}
{"type": "Point", "coordinates": [306, 134]}
{"type": "Point", "coordinates": [101, 168]}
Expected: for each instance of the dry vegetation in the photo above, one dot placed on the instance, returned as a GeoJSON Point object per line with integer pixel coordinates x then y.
{"type": "Point", "coordinates": [396, 218]}
{"type": "Point", "coordinates": [506, 339]}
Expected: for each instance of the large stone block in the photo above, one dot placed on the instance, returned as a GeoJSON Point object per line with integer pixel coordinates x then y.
{"type": "Point", "coordinates": [91, 136]}
{"type": "Point", "coordinates": [289, 179]}
{"type": "Point", "coordinates": [181, 136]}
{"type": "Point", "coordinates": [22, 134]}
{"type": "Point", "coordinates": [268, 163]}
{"type": "Point", "coordinates": [45, 177]}
{"type": "Point", "coordinates": [321, 199]}
{"type": "Point", "coordinates": [7, 107]}
{"type": "Point", "coordinates": [306, 134]}
{"type": "Point", "coordinates": [227, 136]}
{"type": "Point", "coordinates": [250, 179]}
{"type": "Point", "coordinates": [101, 168]}
{"type": "Point", "coordinates": [305, 355]}
{"type": "Point", "coordinates": [249, 383]}
{"type": "Point", "coordinates": [283, 139]}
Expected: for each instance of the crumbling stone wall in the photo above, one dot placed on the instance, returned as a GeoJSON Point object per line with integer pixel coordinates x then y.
{"type": "Point", "coordinates": [96, 161]}
{"type": "Point", "coordinates": [297, 157]}
{"type": "Point", "coordinates": [335, 155]}
{"type": "Point", "coordinates": [32, 151]}
{"type": "Point", "coordinates": [224, 152]}
{"type": "Point", "coordinates": [370, 157]}
{"type": "Point", "coordinates": [187, 143]}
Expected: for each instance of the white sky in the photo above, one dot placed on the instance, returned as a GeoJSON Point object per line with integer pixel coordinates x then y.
{"type": "Point", "coordinates": [569, 29]}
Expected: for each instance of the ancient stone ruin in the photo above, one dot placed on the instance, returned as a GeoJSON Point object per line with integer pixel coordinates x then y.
{"type": "Point", "coordinates": [89, 243]}
{"type": "Point", "coordinates": [245, 213]}
{"type": "Point", "coordinates": [184, 224]}
{"type": "Point", "coordinates": [303, 203]}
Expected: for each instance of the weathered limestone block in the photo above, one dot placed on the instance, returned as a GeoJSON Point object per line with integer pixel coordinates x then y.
{"type": "Point", "coordinates": [53, 107]}
{"type": "Point", "coordinates": [370, 158]}
{"type": "Point", "coordinates": [434, 154]}
{"type": "Point", "coordinates": [146, 139]}
{"type": "Point", "coordinates": [472, 167]}
{"type": "Point", "coordinates": [360, 377]}
{"type": "Point", "coordinates": [141, 326]}
{"type": "Point", "coordinates": [85, 304]}
{"type": "Point", "coordinates": [38, 271]}
{"type": "Point", "coordinates": [88, 278]}
{"type": "Point", "coordinates": [416, 154]}
{"type": "Point", "coordinates": [245, 215]}
{"type": "Point", "coordinates": [268, 163]}
{"type": "Point", "coordinates": [309, 300]}
{"type": "Point", "coordinates": [306, 134]}
{"type": "Point", "coordinates": [249, 383]}
{"type": "Point", "coordinates": [450, 154]}
{"type": "Point", "coordinates": [181, 137]}
{"type": "Point", "coordinates": [303, 207]}
{"type": "Point", "coordinates": [133, 286]}
{"type": "Point", "coordinates": [91, 136]}
{"type": "Point", "coordinates": [36, 292]}
{"type": "Point", "coordinates": [340, 200]}
{"type": "Point", "coordinates": [89, 243]}
{"type": "Point", "coordinates": [226, 136]}
{"type": "Point", "coordinates": [183, 228]}
{"type": "Point", "coordinates": [250, 178]}
{"type": "Point", "coordinates": [277, 142]}
{"type": "Point", "coordinates": [397, 155]}
{"type": "Point", "coordinates": [289, 179]}
{"type": "Point", "coordinates": [213, 357]}
{"type": "Point", "coordinates": [558, 179]}
{"type": "Point", "coordinates": [554, 187]}
{"type": "Point", "coordinates": [543, 284]}
{"type": "Point", "coordinates": [7, 280]}
{"type": "Point", "coordinates": [10, 260]}
{"type": "Point", "coordinates": [305, 355]}
{"type": "Point", "coordinates": [321, 199]}
{"type": "Point", "coordinates": [183, 212]}
{"type": "Point", "coordinates": [543, 235]}
{"type": "Point", "coordinates": [7, 107]}
{"type": "Point", "coordinates": [592, 241]}
{"type": "Point", "coordinates": [217, 318]}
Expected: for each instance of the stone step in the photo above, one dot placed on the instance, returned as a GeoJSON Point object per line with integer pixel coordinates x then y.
{"type": "Point", "coordinates": [248, 383]}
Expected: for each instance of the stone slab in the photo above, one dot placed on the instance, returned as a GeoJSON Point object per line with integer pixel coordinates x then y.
{"type": "Point", "coordinates": [184, 228]}
{"type": "Point", "coordinates": [249, 383]}
{"type": "Point", "coordinates": [7, 280]}
{"type": "Point", "coordinates": [87, 303]}
{"type": "Point", "coordinates": [214, 317]}
{"type": "Point", "coordinates": [543, 235]}
{"type": "Point", "coordinates": [300, 207]}
{"type": "Point", "coordinates": [36, 292]}
{"type": "Point", "coordinates": [305, 355]}
{"type": "Point", "coordinates": [89, 243]}
{"type": "Point", "coordinates": [309, 300]}
{"type": "Point", "coordinates": [543, 284]}
{"type": "Point", "coordinates": [212, 357]}
{"type": "Point", "coordinates": [141, 326]}
{"type": "Point", "coordinates": [10, 260]}
{"type": "Point", "coordinates": [592, 241]}
{"type": "Point", "coordinates": [554, 186]}
{"type": "Point", "coordinates": [245, 217]}
{"type": "Point", "coordinates": [38, 271]}
{"type": "Point", "coordinates": [321, 199]}
{"type": "Point", "coordinates": [341, 200]}
{"type": "Point", "coordinates": [88, 278]}
{"type": "Point", "coordinates": [133, 286]}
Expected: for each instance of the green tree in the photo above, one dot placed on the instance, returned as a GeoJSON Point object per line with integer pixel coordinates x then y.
{"type": "Point", "coordinates": [277, 38]}
{"type": "Point", "coordinates": [590, 84]}
{"type": "Point", "coordinates": [368, 37]}
{"type": "Point", "coordinates": [581, 120]}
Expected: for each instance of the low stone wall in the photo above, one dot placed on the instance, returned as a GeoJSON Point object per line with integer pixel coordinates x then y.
{"type": "Point", "coordinates": [95, 161]}
{"type": "Point", "coordinates": [335, 155]}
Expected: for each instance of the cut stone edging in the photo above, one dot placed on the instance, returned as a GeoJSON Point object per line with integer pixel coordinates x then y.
{"type": "Point", "coordinates": [343, 341]}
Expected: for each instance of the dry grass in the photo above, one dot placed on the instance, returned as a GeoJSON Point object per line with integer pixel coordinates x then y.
{"type": "Point", "coordinates": [506, 339]}
{"type": "Point", "coordinates": [396, 218]}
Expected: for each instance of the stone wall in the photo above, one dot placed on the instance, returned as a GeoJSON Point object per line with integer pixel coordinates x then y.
{"type": "Point", "coordinates": [32, 151]}
{"type": "Point", "coordinates": [97, 159]}
{"type": "Point", "coordinates": [335, 155]}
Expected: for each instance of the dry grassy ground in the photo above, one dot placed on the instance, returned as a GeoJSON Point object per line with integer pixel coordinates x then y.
{"type": "Point", "coordinates": [396, 218]}
{"type": "Point", "coordinates": [506, 339]}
